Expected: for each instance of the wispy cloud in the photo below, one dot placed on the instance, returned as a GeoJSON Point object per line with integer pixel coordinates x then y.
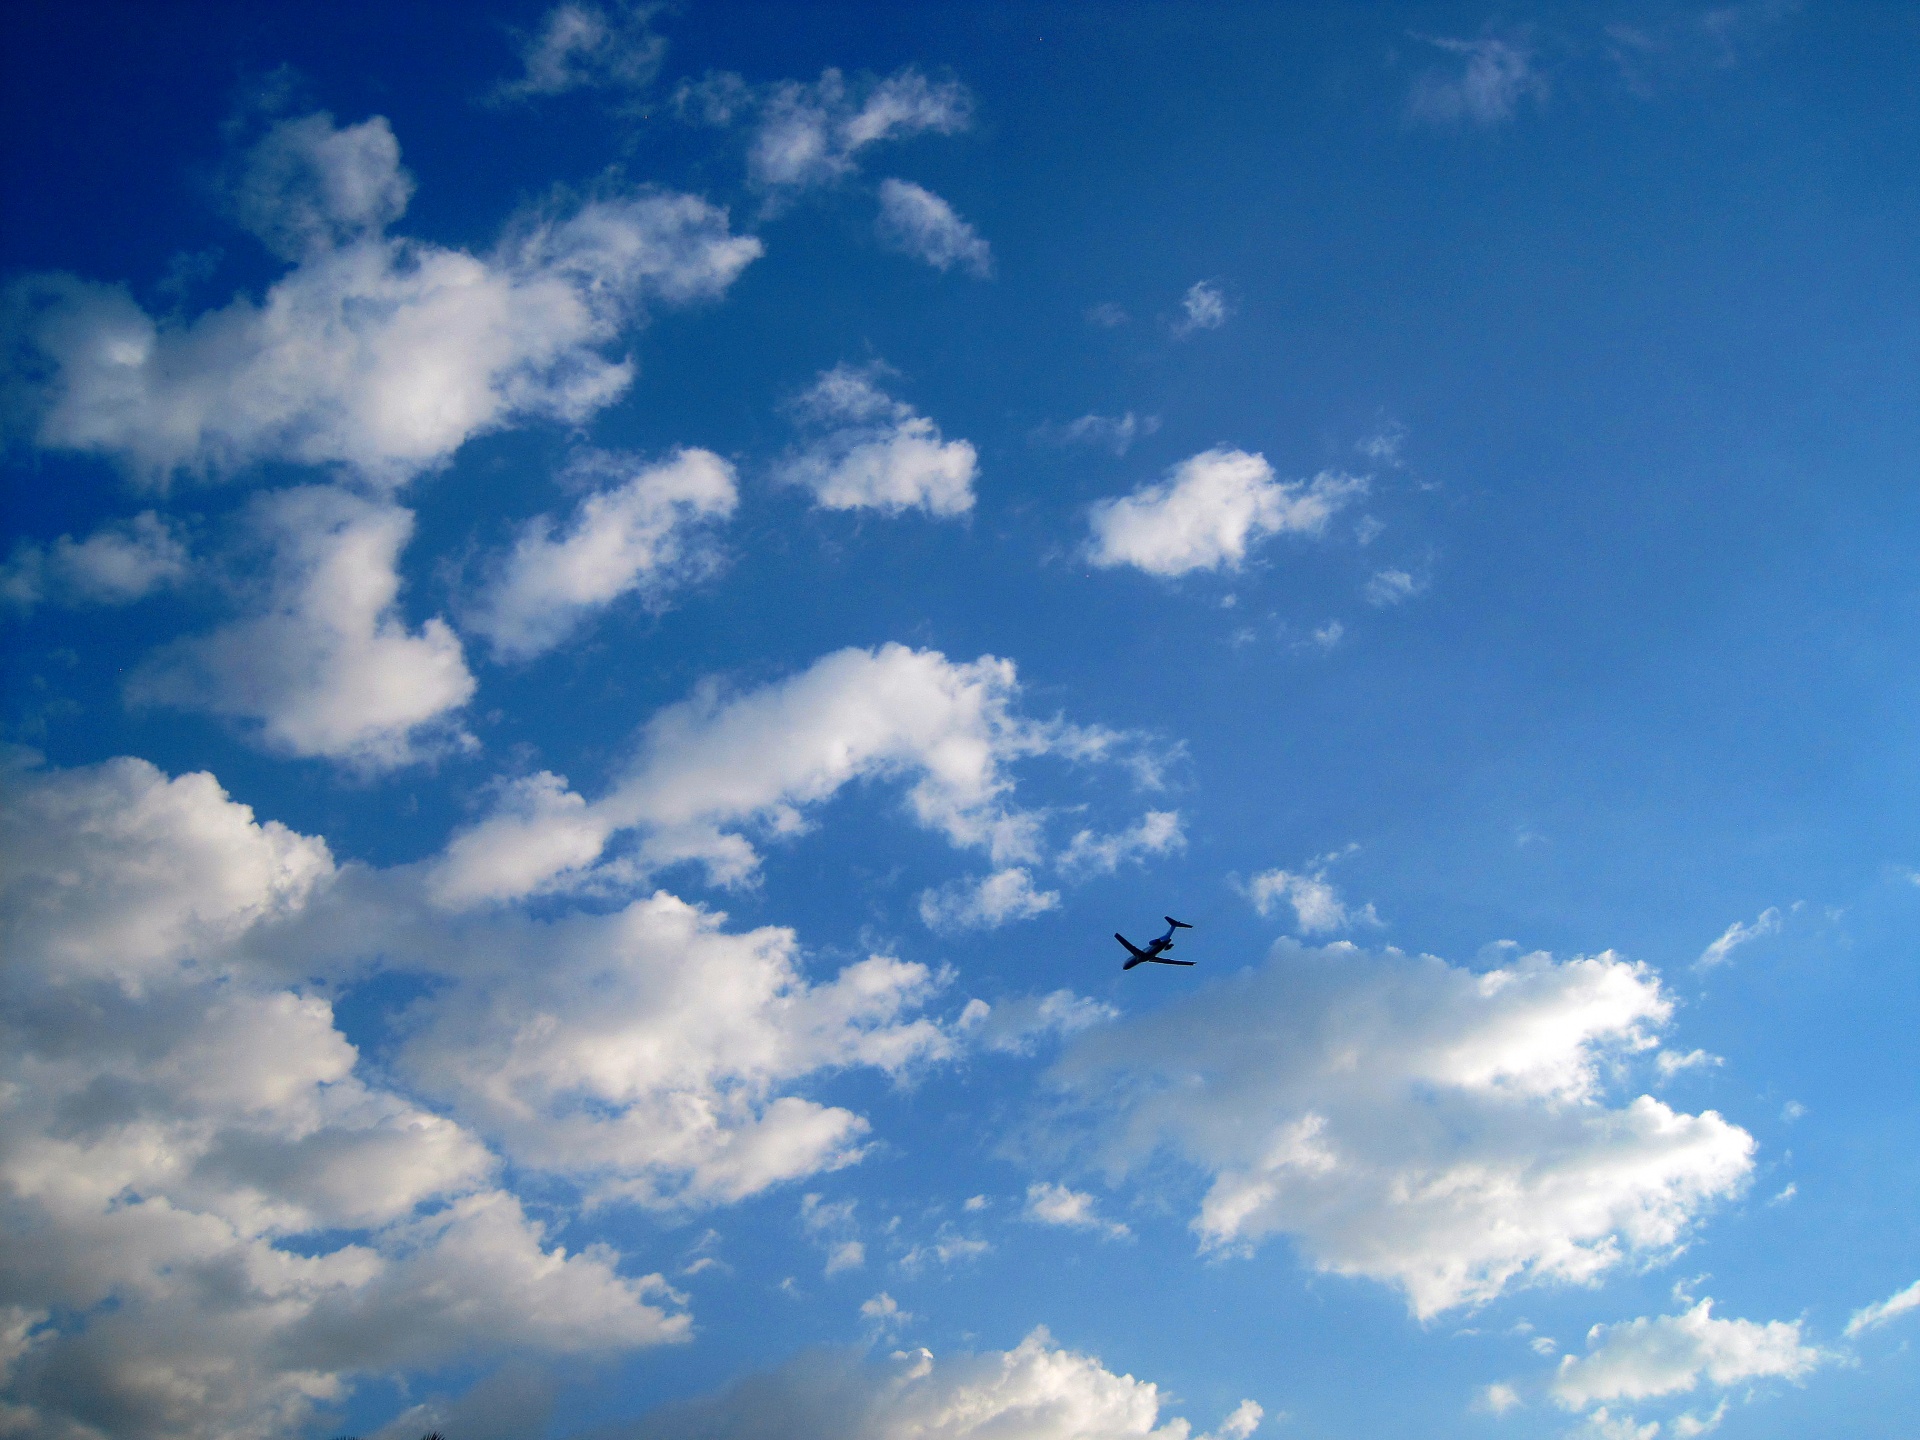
{"type": "Point", "coordinates": [1736, 935]}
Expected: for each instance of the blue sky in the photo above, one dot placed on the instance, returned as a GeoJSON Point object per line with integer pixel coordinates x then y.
{"type": "Point", "coordinates": [606, 608]}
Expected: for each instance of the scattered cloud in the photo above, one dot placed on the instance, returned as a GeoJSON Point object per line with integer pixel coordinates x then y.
{"type": "Point", "coordinates": [987, 903]}
{"type": "Point", "coordinates": [181, 1123]}
{"type": "Point", "coordinates": [1203, 307]}
{"type": "Point", "coordinates": [919, 223]}
{"type": "Point", "coordinates": [1210, 511]}
{"type": "Point", "coordinates": [325, 666]}
{"type": "Point", "coordinates": [1158, 832]}
{"type": "Point", "coordinates": [1497, 1399]}
{"type": "Point", "coordinates": [1017, 1026]}
{"type": "Point", "coordinates": [1442, 1129]}
{"type": "Point", "coordinates": [1493, 76]}
{"type": "Point", "coordinates": [1390, 587]}
{"type": "Point", "coordinates": [1036, 1391]}
{"type": "Point", "coordinates": [719, 766]}
{"type": "Point", "coordinates": [115, 565]}
{"type": "Point", "coordinates": [1051, 1204]}
{"type": "Point", "coordinates": [1317, 906]}
{"type": "Point", "coordinates": [1736, 934]}
{"type": "Point", "coordinates": [663, 1069]}
{"type": "Point", "coordinates": [383, 355]}
{"type": "Point", "coordinates": [584, 46]}
{"type": "Point", "coordinates": [1672, 1062]}
{"type": "Point", "coordinates": [1872, 1317]}
{"type": "Point", "coordinates": [868, 451]}
{"type": "Point", "coordinates": [1107, 315]}
{"type": "Point", "coordinates": [883, 1314]}
{"type": "Point", "coordinates": [809, 134]}
{"type": "Point", "coordinates": [1672, 1354]}
{"type": "Point", "coordinates": [647, 531]}
{"type": "Point", "coordinates": [1102, 432]}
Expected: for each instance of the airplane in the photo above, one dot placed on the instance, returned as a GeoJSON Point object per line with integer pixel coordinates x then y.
{"type": "Point", "coordinates": [1156, 947]}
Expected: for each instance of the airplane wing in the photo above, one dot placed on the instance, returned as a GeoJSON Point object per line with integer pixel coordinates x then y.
{"type": "Point", "coordinates": [1134, 952]}
{"type": "Point", "coordinates": [1158, 961]}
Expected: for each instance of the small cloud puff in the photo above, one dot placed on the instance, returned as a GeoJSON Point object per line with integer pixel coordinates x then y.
{"type": "Point", "coordinates": [1051, 1204]}
{"type": "Point", "coordinates": [868, 451]}
{"type": "Point", "coordinates": [1203, 307]}
{"type": "Point", "coordinates": [115, 565]}
{"type": "Point", "coordinates": [1494, 76]}
{"type": "Point", "coordinates": [986, 904]}
{"type": "Point", "coordinates": [919, 223]}
{"type": "Point", "coordinates": [581, 45]}
{"type": "Point", "coordinates": [1209, 512]}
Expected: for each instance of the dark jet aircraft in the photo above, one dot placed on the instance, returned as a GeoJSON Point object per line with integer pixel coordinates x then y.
{"type": "Point", "coordinates": [1155, 948]}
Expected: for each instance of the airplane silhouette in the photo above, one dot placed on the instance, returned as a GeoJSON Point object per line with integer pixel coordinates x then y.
{"type": "Point", "coordinates": [1155, 948]}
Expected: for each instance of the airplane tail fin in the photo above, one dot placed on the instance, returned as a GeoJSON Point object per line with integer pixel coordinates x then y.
{"type": "Point", "coordinates": [1177, 924]}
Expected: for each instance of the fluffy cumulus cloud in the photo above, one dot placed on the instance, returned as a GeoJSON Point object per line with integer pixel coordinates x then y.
{"type": "Point", "coordinates": [1036, 1391]}
{"type": "Point", "coordinates": [1208, 513]}
{"type": "Point", "coordinates": [651, 1053]}
{"type": "Point", "coordinates": [326, 665]}
{"type": "Point", "coordinates": [1316, 904]}
{"type": "Point", "coordinates": [1446, 1131]}
{"type": "Point", "coordinates": [986, 903]}
{"type": "Point", "coordinates": [213, 1220]}
{"type": "Point", "coordinates": [1674, 1354]}
{"type": "Point", "coordinates": [719, 766]}
{"type": "Point", "coordinates": [1492, 76]}
{"type": "Point", "coordinates": [810, 134]}
{"type": "Point", "coordinates": [917, 221]}
{"type": "Point", "coordinates": [580, 46]}
{"type": "Point", "coordinates": [376, 353]}
{"type": "Point", "coordinates": [1052, 1204]}
{"type": "Point", "coordinates": [116, 564]}
{"type": "Point", "coordinates": [867, 451]}
{"type": "Point", "coordinates": [1158, 832]}
{"type": "Point", "coordinates": [646, 530]}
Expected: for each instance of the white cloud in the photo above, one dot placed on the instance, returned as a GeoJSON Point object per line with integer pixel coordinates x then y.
{"type": "Point", "coordinates": [1669, 1354]}
{"type": "Point", "coordinates": [1203, 307]}
{"type": "Point", "coordinates": [884, 1314]}
{"type": "Point", "coordinates": [919, 222]}
{"type": "Point", "coordinates": [1036, 1391]}
{"type": "Point", "coordinates": [1390, 587]}
{"type": "Point", "coordinates": [809, 134]}
{"type": "Point", "coordinates": [1736, 934]}
{"type": "Point", "coordinates": [1051, 1204]}
{"type": "Point", "coordinates": [986, 904]}
{"type": "Point", "coordinates": [327, 667]}
{"type": "Point", "coordinates": [719, 764]}
{"type": "Point", "coordinates": [1672, 1062]}
{"type": "Point", "coordinates": [1106, 432]}
{"type": "Point", "coordinates": [231, 1220]}
{"type": "Point", "coordinates": [868, 451]}
{"type": "Point", "coordinates": [116, 564]}
{"type": "Point", "coordinates": [380, 354]}
{"type": "Point", "coordinates": [1411, 1121]}
{"type": "Point", "coordinates": [1209, 511]}
{"type": "Point", "coordinates": [1317, 906]}
{"type": "Point", "coordinates": [1871, 1317]}
{"type": "Point", "coordinates": [1495, 75]}
{"type": "Point", "coordinates": [653, 1054]}
{"type": "Point", "coordinates": [1497, 1399]}
{"type": "Point", "coordinates": [1158, 832]}
{"type": "Point", "coordinates": [581, 45]}
{"type": "Point", "coordinates": [646, 532]}
{"type": "Point", "coordinates": [1017, 1025]}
